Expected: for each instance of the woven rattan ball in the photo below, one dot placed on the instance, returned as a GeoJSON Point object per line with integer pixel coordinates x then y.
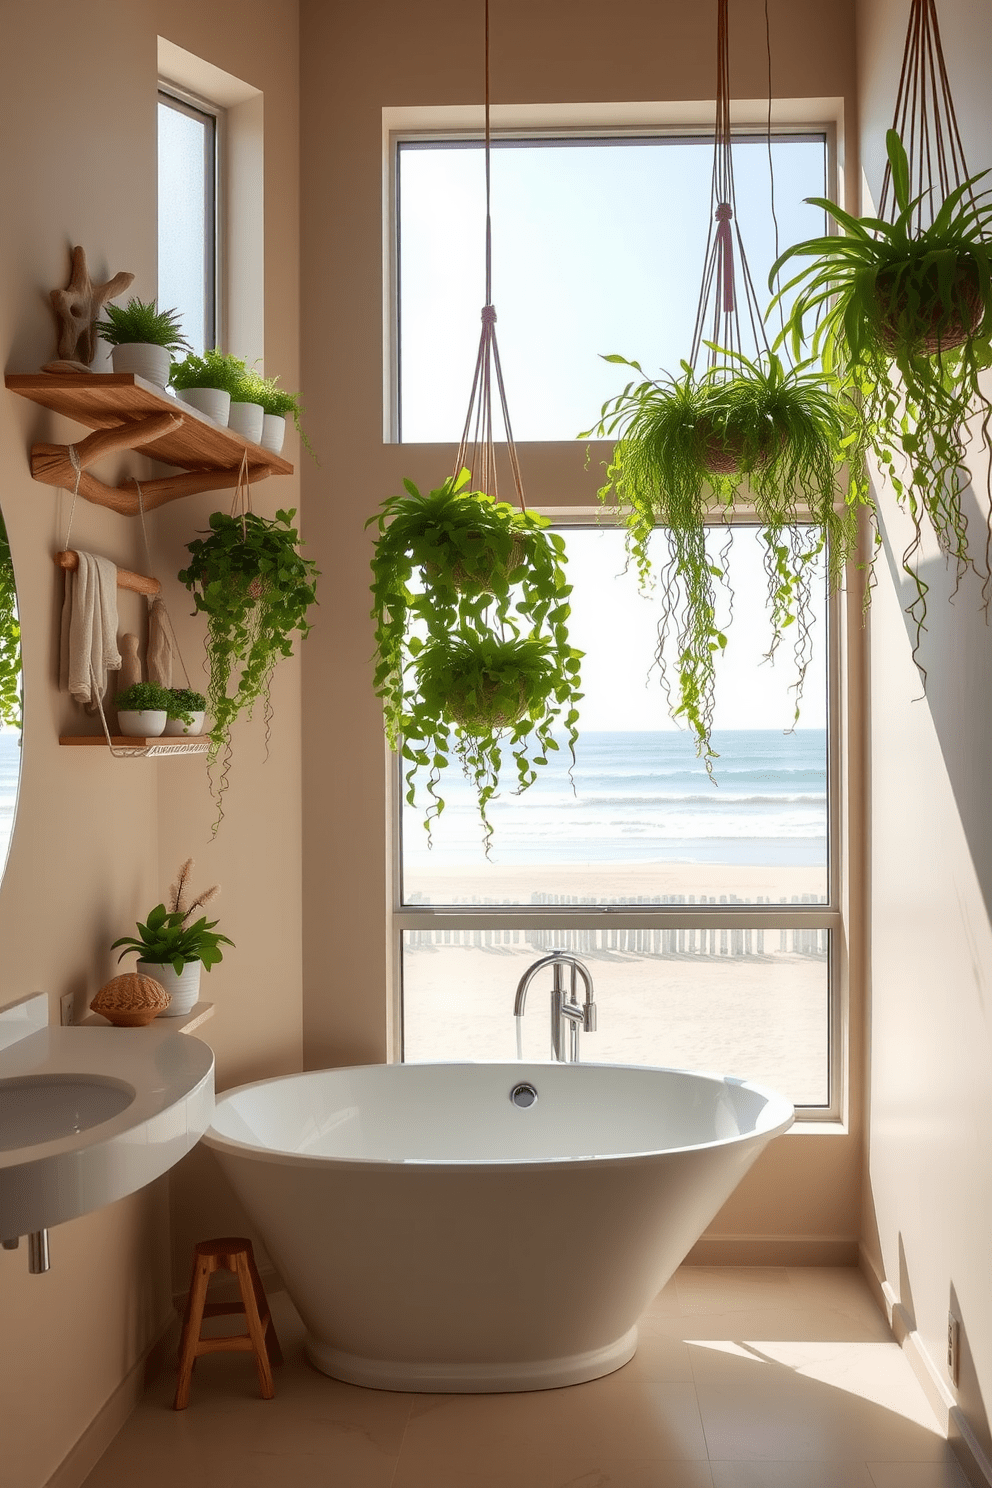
{"type": "Point", "coordinates": [131, 1001]}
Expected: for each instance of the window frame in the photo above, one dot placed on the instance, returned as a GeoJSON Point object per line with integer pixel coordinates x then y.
{"type": "Point", "coordinates": [171, 95]}
{"type": "Point", "coordinates": [830, 916]}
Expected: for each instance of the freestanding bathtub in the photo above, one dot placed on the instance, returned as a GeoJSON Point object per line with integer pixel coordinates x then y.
{"type": "Point", "coordinates": [441, 1229]}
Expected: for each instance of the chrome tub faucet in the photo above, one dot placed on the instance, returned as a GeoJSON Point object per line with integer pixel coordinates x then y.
{"type": "Point", "coordinates": [565, 1006]}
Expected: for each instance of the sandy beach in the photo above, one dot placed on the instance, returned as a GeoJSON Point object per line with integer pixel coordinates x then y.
{"type": "Point", "coordinates": [750, 1003]}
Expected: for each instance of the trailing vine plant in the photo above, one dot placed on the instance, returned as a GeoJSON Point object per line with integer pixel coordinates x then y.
{"type": "Point", "coordinates": [693, 449]}
{"type": "Point", "coordinates": [731, 433]}
{"type": "Point", "coordinates": [10, 639]}
{"type": "Point", "coordinates": [255, 588]}
{"type": "Point", "coordinates": [470, 603]}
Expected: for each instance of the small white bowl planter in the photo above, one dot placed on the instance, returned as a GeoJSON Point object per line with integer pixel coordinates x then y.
{"type": "Point", "coordinates": [153, 363]}
{"type": "Point", "coordinates": [175, 726]}
{"type": "Point", "coordinates": [147, 723]}
{"type": "Point", "coordinates": [183, 989]}
{"type": "Point", "coordinates": [273, 432]}
{"type": "Point", "coordinates": [246, 420]}
{"type": "Point", "coordinates": [214, 402]}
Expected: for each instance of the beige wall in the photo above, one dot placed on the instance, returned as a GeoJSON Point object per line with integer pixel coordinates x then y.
{"type": "Point", "coordinates": [98, 840]}
{"type": "Point", "coordinates": [928, 1216]}
{"type": "Point", "coordinates": [356, 61]}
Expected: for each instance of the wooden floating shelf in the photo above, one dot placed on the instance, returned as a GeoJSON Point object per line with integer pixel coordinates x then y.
{"type": "Point", "coordinates": [129, 413]}
{"type": "Point", "coordinates": [143, 748]}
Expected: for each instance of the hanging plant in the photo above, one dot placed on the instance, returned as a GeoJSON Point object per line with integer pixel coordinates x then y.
{"type": "Point", "coordinates": [738, 433]}
{"type": "Point", "coordinates": [10, 638]}
{"type": "Point", "coordinates": [901, 314]}
{"type": "Point", "coordinates": [459, 577]}
{"type": "Point", "coordinates": [476, 695]}
{"type": "Point", "coordinates": [255, 589]}
{"type": "Point", "coordinates": [691, 449]}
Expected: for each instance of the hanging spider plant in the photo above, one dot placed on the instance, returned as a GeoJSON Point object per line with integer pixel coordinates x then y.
{"type": "Point", "coordinates": [901, 315]}
{"type": "Point", "coordinates": [690, 451]}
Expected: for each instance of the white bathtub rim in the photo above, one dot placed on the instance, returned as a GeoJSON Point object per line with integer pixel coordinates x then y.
{"type": "Point", "coordinates": [776, 1118]}
{"type": "Point", "coordinates": [498, 1377]}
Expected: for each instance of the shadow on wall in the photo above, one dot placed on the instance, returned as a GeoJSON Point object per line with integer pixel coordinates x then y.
{"type": "Point", "coordinates": [955, 653]}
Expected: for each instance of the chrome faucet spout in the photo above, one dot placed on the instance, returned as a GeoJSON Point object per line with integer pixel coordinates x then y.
{"type": "Point", "coordinates": [565, 1008]}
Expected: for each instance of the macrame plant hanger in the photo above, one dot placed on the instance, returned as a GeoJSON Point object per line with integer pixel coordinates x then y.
{"type": "Point", "coordinates": [477, 449]}
{"type": "Point", "coordinates": [724, 280]}
{"type": "Point", "coordinates": [925, 119]}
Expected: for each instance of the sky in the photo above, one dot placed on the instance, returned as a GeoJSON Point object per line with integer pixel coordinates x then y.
{"type": "Point", "coordinates": [596, 249]}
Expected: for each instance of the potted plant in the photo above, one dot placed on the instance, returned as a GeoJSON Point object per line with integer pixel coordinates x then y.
{"type": "Point", "coordinates": [10, 638]}
{"type": "Point", "coordinates": [455, 568]}
{"type": "Point", "coordinates": [142, 338]}
{"type": "Point", "coordinates": [186, 711]}
{"type": "Point", "coordinates": [278, 405]}
{"type": "Point", "coordinates": [172, 946]}
{"type": "Point", "coordinates": [143, 710]}
{"type": "Point", "coordinates": [477, 695]}
{"type": "Point", "coordinates": [901, 315]}
{"type": "Point", "coordinates": [209, 382]}
{"type": "Point", "coordinates": [255, 588]}
{"type": "Point", "coordinates": [690, 449]}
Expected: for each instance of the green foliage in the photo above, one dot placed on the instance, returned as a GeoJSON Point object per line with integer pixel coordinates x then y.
{"type": "Point", "coordinates": [137, 321]}
{"type": "Point", "coordinates": [253, 388]}
{"type": "Point", "coordinates": [142, 697]}
{"type": "Point", "coordinates": [458, 575]}
{"type": "Point", "coordinates": [901, 316]}
{"type": "Point", "coordinates": [469, 691]}
{"type": "Point", "coordinates": [165, 941]}
{"type": "Point", "coordinates": [215, 369]}
{"type": "Point", "coordinates": [255, 589]}
{"type": "Point", "coordinates": [183, 703]}
{"type": "Point", "coordinates": [10, 638]}
{"type": "Point", "coordinates": [690, 449]}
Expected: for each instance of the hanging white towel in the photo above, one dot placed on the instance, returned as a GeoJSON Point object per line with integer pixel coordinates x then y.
{"type": "Point", "coordinates": [89, 630]}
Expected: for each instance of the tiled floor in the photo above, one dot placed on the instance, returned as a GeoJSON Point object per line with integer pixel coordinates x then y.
{"type": "Point", "coordinates": [770, 1378]}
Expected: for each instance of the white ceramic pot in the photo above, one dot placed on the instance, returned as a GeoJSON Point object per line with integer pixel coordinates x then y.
{"type": "Point", "coordinates": [175, 726]}
{"type": "Point", "coordinates": [246, 420]}
{"type": "Point", "coordinates": [153, 363]}
{"type": "Point", "coordinates": [183, 989]}
{"type": "Point", "coordinates": [273, 432]}
{"type": "Point", "coordinates": [147, 723]}
{"type": "Point", "coordinates": [214, 402]}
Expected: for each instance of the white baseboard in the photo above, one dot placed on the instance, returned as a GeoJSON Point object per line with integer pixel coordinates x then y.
{"type": "Point", "coordinates": [81, 1458]}
{"type": "Point", "coordinates": [967, 1448]}
{"type": "Point", "coordinates": [773, 1250]}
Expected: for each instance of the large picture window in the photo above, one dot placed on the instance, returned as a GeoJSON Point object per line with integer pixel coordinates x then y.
{"type": "Point", "coordinates": [707, 910]}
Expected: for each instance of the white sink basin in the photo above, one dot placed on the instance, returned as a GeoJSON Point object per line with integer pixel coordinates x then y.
{"type": "Point", "coordinates": [88, 1115]}
{"type": "Point", "coordinates": [42, 1108]}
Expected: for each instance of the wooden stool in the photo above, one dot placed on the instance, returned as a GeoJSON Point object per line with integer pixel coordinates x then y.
{"type": "Point", "coordinates": [231, 1254]}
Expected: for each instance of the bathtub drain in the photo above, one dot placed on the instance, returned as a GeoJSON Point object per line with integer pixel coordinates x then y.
{"type": "Point", "coordinates": [523, 1094]}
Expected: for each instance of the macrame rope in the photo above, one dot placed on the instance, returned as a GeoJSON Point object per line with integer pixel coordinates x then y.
{"type": "Point", "coordinates": [925, 119]}
{"type": "Point", "coordinates": [726, 278]}
{"type": "Point", "coordinates": [477, 448]}
{"type": "Point", "coordinates": [73, 454]}
{"type": "Point", "coordinates": [150, 598]}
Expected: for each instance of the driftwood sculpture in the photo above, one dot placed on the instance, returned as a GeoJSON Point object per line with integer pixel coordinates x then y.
{"type": "Point", "coordinates": [78, 307]}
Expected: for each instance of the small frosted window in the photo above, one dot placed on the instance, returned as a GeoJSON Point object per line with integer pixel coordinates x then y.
{"type": "Point", "coordinates": [186, 260]}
